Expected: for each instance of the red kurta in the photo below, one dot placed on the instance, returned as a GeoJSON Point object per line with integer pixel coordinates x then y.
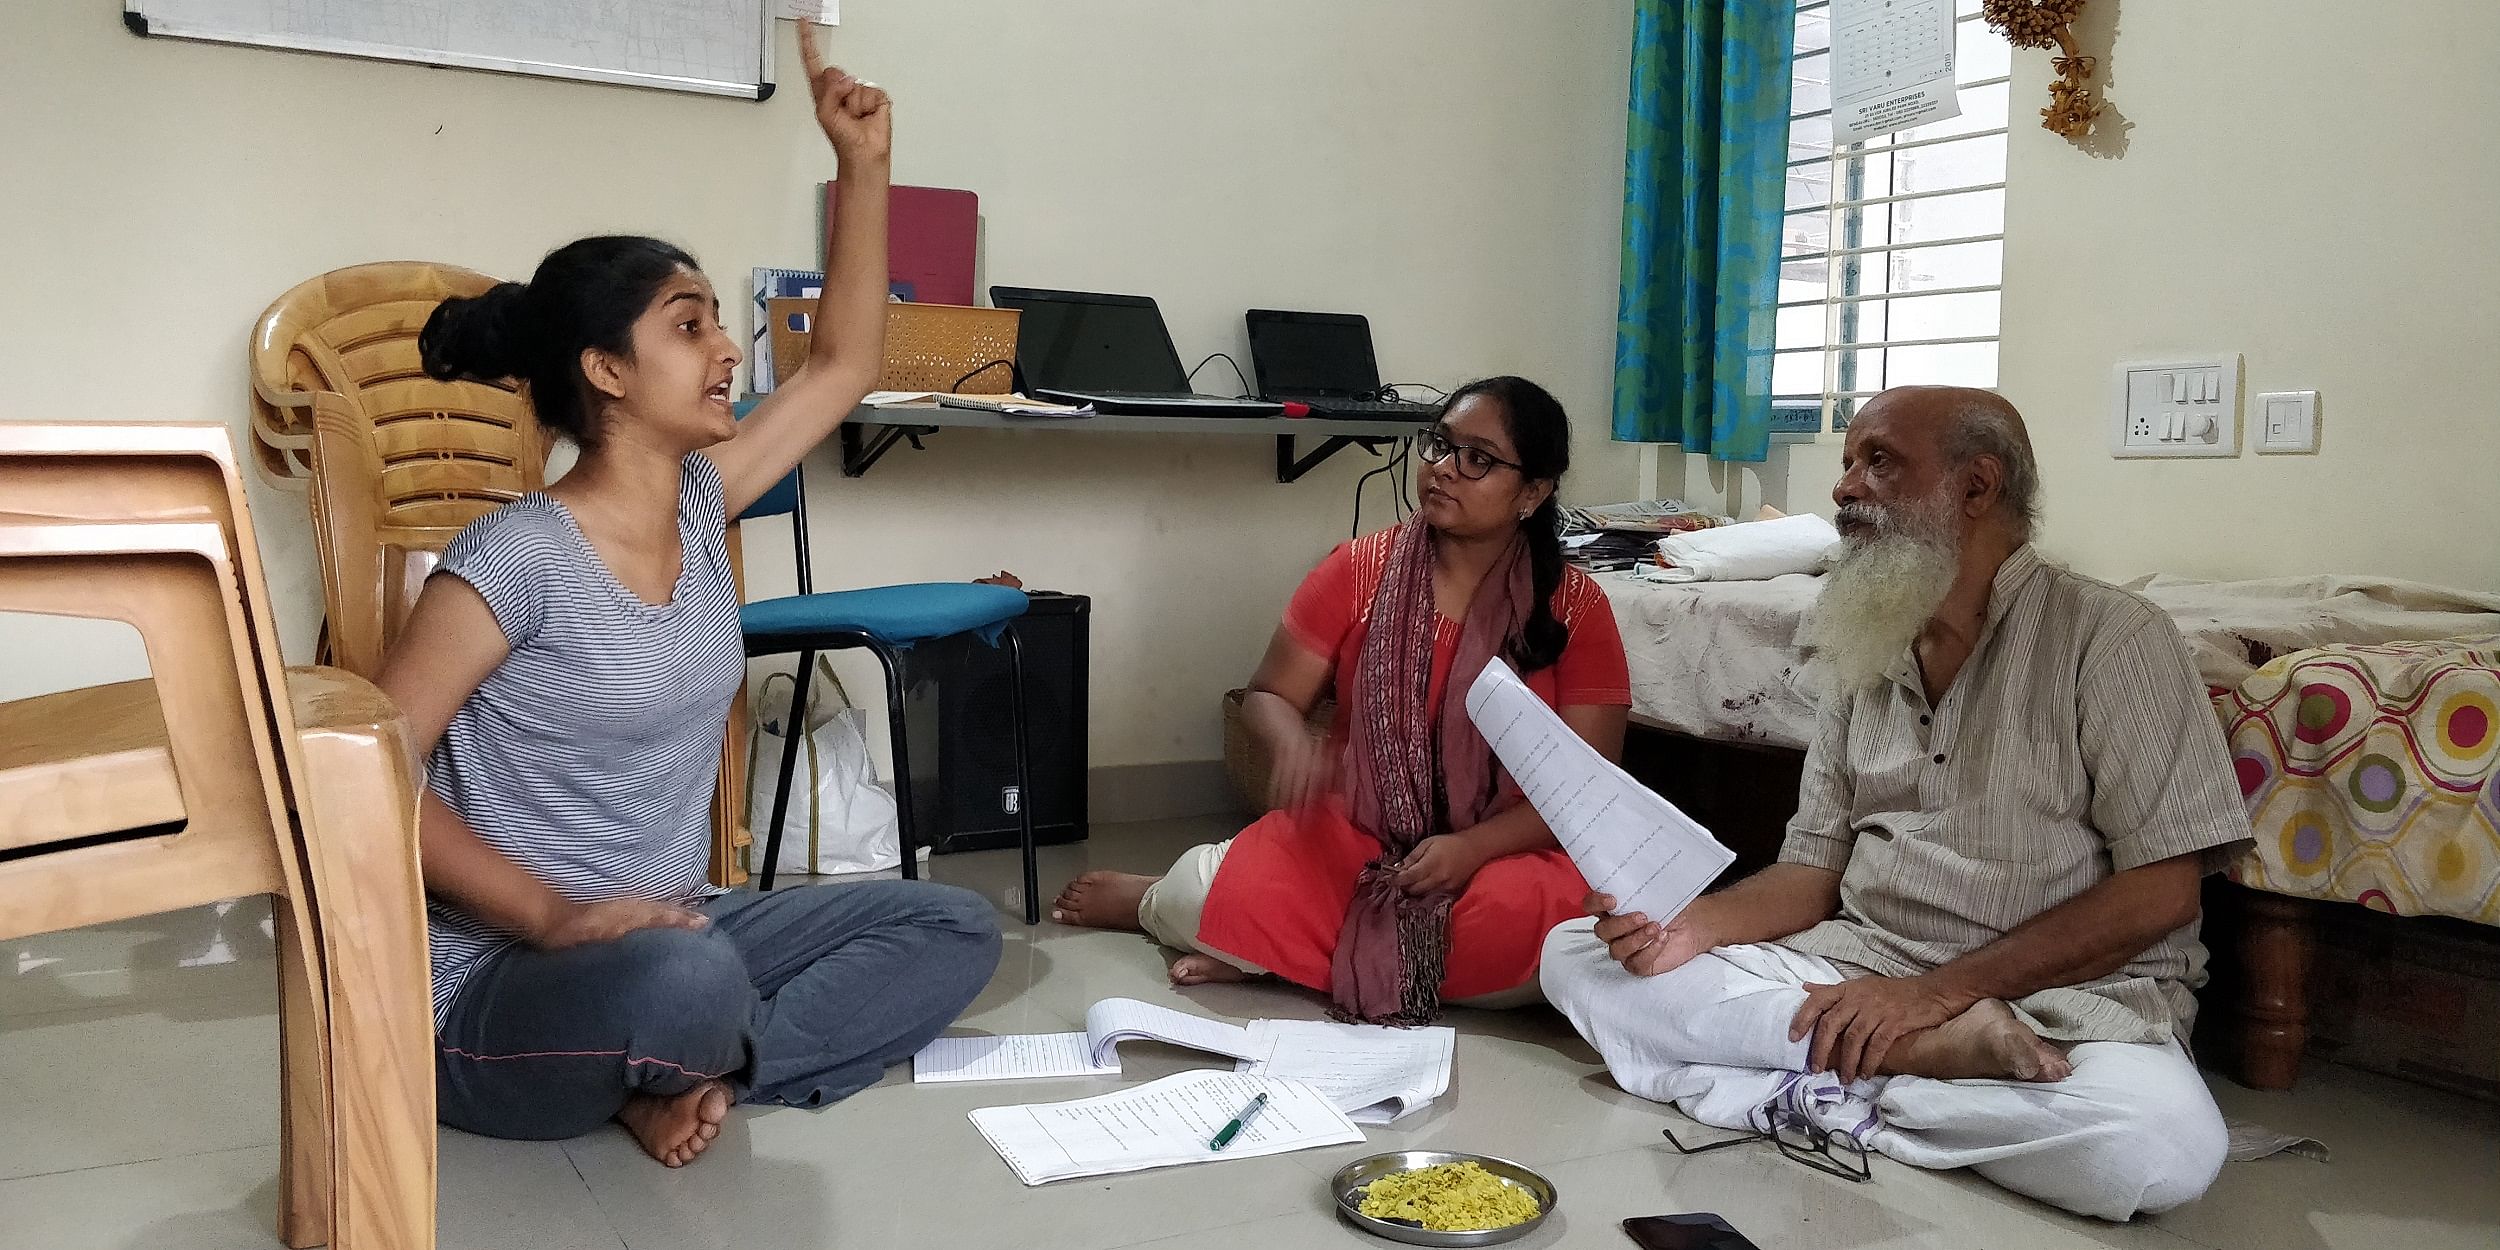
{"type": "Point", "coordinates": [1281, 896]}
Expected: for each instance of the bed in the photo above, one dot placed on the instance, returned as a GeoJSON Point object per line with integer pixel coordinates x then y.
{"type": "Point", "coordinates": [2363, 717]}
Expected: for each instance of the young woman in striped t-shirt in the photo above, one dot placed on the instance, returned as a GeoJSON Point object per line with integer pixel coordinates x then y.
{"type": "Point", "coordinates": [570, 668]}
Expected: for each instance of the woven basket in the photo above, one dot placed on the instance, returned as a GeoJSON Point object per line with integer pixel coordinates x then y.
{"type": "Point", "coordinates": [1247, 761]}
{"type": "Point", "coordinates": [928, 347]}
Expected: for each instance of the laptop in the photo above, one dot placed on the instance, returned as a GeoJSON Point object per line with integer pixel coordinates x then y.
{"type": "Point", "coordinates": [1323, 360]}
{"type": "Point", "coordinates": [1111, 351]}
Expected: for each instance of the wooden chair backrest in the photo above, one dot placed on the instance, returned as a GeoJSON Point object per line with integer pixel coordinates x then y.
{"type": "Point", "coordinates": [396, 462]}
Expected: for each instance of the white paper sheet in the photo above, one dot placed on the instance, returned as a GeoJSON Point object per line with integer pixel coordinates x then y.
{"type": "Point", "coordinates": [1094, 1052]}
{"type": "Point", "coordinates": [824, 12]}
{"type": "Point", "coordinates": [1892, 67]}
{"type": "Point", "coordinates": [1374, 1074]}
{"type": "Point", "coordinates": [1160, 1124]}
{"type": "Point", "coordinates": [1626, 840]}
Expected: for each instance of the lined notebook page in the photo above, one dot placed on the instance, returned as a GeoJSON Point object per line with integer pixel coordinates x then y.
{"type": "Point", "coordinates": [1021, 1055]}
{"type": "Point", "coordinates": [1116, 1020]}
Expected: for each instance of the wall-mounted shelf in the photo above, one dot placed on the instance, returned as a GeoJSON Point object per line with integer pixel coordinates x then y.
{"type": "Point", "coordinates": [872, 432]}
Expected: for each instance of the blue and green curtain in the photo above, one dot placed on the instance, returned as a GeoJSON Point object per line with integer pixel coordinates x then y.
{"type": "Point", "coordinates": [1705, 178]}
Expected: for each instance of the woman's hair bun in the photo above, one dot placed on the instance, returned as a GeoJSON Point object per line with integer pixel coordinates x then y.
{"type": "Point", "coordinates": [491, 336]}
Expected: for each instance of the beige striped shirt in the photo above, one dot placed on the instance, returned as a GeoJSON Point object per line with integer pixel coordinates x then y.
{"type": "Point", "coordinates": [2076, 742]}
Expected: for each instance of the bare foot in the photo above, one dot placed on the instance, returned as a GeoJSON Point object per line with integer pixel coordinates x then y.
{"type": "Point", "coordinates": [675, 1129]}
{"type": "Point", "coordinates": [1102, 900]}
{"type": "Point", "coordinates": [1987, 1042]}
{"type": "Point", "coordinates": [1205, 970]}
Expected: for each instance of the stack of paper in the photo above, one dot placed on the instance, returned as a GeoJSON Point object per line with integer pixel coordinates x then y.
{"type": "Point", "coordinates": [1374, 1074]}
{"type": "Point", "coordinates": [1094, 1052]}
{"type": "Point", "coordinates": [1626, 840]}
{"type": "Point", "coordinates": [1160, 1124]}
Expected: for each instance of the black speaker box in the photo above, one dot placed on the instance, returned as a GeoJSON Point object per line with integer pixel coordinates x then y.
{"type": "Point", "coordinates": [959, 728]}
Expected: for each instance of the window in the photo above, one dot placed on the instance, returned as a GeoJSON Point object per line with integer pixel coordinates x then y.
{"type": "Point", "coordinates": [1892, 251]}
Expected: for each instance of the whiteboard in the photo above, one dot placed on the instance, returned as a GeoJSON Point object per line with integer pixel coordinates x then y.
{"type": "Point", "coordinates": [717, 47]}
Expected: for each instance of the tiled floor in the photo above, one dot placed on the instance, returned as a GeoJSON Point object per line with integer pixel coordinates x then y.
{"type": "Point", "coordinates": [138, 1069]}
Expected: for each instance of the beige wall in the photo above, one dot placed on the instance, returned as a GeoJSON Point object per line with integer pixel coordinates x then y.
{"type": "Point", "coordinates": [2311, 184]}
{"type": "Point", "coordinates": [1452, 168]}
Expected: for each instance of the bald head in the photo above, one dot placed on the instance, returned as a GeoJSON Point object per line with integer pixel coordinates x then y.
{"type": "Point", "coordinates": [1955, 438]}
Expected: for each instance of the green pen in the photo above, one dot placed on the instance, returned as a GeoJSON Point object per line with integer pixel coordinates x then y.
{"type": "Point", "coordinates": [1240, 1122]}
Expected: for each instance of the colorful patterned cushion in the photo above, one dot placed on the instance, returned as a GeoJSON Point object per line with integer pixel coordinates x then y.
{"type": "Point", "coordinates": [2373, 775]}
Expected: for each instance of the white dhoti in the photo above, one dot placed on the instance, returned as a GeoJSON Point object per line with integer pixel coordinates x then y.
{"type": "Point", "coordinates": [2133, 1130]}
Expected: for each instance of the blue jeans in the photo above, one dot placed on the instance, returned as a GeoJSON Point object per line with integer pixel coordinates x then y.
{"type": "Point", "coordinates": [799, 997]}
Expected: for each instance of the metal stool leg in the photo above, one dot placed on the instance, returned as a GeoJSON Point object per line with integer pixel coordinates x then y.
{"type": "Point", "coordinates": [1024, 778]}
{"type": "Point", "coordinates": [902, 760]}
{"type": "Point", "coordinates": [794, 726]}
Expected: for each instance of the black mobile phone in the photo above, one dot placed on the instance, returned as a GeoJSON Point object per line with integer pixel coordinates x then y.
{"type": "Point", "coordinates": [1702, 1231]}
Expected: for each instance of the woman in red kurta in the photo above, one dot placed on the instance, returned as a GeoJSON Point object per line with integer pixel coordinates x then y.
{"type": "Point", "coordinates": [1400, 868]}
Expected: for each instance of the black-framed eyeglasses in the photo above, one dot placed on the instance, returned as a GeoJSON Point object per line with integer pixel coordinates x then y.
{"type": "Point", "coordinates": [1434, 446]}
{"type": "Point", "coordinates": [1798, 1138]}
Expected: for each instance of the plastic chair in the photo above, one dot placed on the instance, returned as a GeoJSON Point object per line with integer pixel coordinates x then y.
{"type": "Point", "coordinates": [885, 621]}
{"type": "Point", "coordinates": [220, 777]}
{"type": "Point", "coordinates": [397, 462]}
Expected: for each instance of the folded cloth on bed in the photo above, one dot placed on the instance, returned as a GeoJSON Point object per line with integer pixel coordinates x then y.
{"type": "Point", "coordinates": [1751, 552]}
{"type": "Point", "coordinates": [2233, 628]}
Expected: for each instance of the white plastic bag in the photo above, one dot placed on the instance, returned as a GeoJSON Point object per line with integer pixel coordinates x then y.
{"type": "Point", "coordinates": [840, 820]}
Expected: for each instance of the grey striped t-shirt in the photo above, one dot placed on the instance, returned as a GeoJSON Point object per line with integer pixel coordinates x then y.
{"type": "Point", "coordinates": [588, 756]}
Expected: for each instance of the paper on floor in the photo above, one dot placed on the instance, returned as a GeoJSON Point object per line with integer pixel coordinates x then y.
{"type": "Point", "coordinates": [1374, 1074]}
{"type": "Point", "coordinates": [1094, 1052]}
{"type": "Point", "coordinates": [1160, 1124]}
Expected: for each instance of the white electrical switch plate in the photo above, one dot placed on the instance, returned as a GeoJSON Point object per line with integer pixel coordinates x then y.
{"type": "Point", "coordinates": [2287, 423]}
{"type": "Point", "coordinates": [2176, 408]}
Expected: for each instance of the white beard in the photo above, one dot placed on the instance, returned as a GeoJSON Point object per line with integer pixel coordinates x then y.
{"type": "Point", "coordinates": [1881, 594]}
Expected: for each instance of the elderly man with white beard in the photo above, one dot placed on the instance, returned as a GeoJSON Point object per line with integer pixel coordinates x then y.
{"type": "Point", "coordinates": [1979, 947]}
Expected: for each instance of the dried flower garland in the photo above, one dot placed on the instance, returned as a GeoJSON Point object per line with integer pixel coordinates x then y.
{"type": "Point", "coordinates": [2039, 24]}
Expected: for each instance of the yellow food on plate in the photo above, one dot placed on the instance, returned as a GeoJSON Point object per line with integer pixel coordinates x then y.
{"type": "Point", "coordinates": [1448, 1198]}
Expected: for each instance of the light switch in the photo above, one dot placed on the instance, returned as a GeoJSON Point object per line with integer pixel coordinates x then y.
{"type": "Point", "coordinates": [2288, 423]}
{"type": "Point", "coordinates": [2180, 407]}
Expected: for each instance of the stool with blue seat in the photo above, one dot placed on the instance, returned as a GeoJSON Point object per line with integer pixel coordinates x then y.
{"type": "Point", "coordinates": [885, 621]}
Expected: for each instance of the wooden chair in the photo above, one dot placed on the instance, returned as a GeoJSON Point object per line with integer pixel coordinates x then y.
{"type": "Point", "coordinates": [397, 463]}
{"type": "Point", "coordinates": [222, 777]}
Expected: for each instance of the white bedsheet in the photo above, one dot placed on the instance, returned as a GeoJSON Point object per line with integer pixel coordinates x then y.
{"type": "Point", "coordinates": [2286, 614]}
{"type": "Point", "coordinates": [1717, 659]}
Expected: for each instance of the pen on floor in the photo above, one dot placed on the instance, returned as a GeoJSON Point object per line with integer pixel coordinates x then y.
{"type": "Point", "coordinates": [1240, 1122]}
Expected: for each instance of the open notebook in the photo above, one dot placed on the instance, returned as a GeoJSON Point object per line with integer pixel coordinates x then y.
{"type": "Point", "coordinates": [1094, 1052]}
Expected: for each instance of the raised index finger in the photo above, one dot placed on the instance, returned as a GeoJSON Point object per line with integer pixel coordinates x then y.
{"type": "Point", "coordinates": [808, 55]}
